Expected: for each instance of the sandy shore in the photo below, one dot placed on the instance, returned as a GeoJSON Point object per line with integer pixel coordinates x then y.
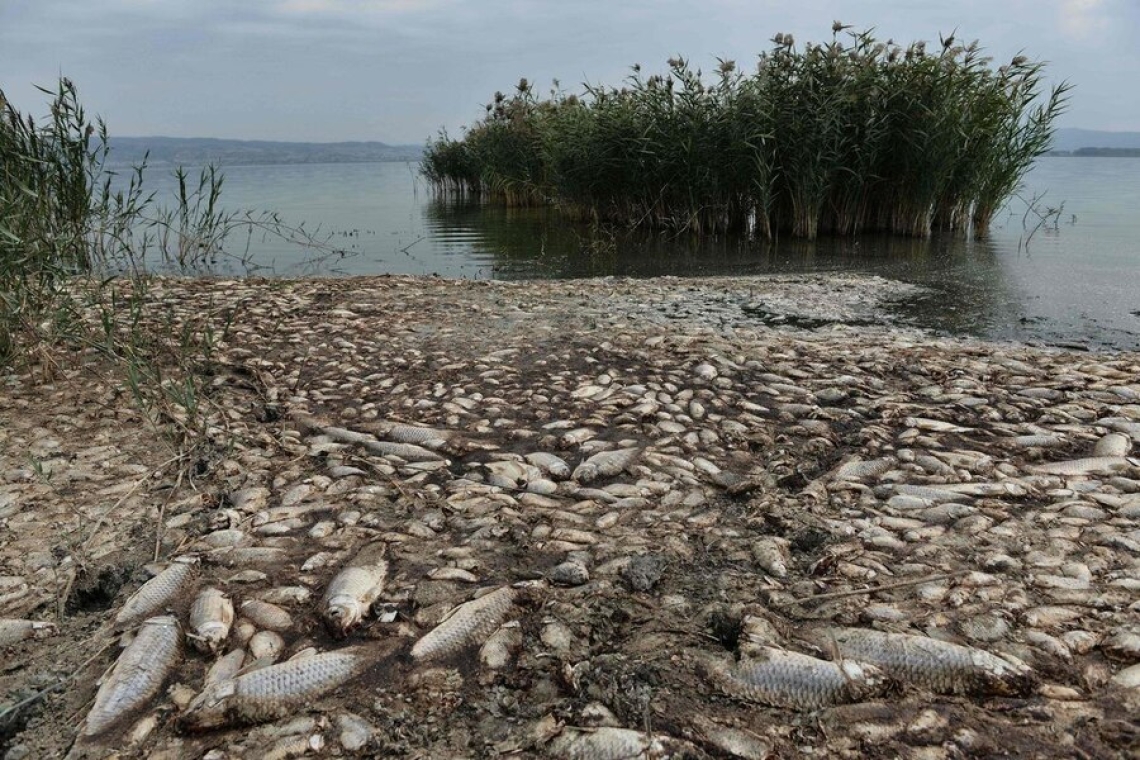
{"type": "Point", "coordinates": [760, 452]}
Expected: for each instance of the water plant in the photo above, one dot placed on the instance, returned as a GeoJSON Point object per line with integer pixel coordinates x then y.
{"type": "Point", "coordinates": [852, 135]}
{"type": "Point", "coordinates": [79, 248]}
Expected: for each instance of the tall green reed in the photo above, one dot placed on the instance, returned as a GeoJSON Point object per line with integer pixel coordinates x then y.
{"type": "Point", "coordinates": [853, 135]}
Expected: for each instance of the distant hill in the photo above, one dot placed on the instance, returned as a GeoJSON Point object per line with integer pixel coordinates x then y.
{"type": "Point", "coordinates": [197, 151]}
{"type": "Point", "coordinates": [1071, 140]}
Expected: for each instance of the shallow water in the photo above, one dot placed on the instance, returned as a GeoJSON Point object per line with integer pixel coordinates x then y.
{"type": "Point", "coordinates": [1075, 283]}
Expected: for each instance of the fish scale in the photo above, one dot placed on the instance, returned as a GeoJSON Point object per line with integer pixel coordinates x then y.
{"type": "Point", "coordinates": [156, 593]}
{"type": "Point", "coordinates": [605, 464]}
{"type": "Point", "coordinates": [273, 691]}
{"type": "Point", "coordinates": [138, 674]}
{"type": "Point", "coordinates": [782, 678]}
{"type": "Point", "coordinates": [469, 623]}
{"type": "Point", "coordinates": [938, 665]}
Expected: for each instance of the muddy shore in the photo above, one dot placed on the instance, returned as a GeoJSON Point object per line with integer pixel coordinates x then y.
{"type": "Point", "coordinates": [779, 451]}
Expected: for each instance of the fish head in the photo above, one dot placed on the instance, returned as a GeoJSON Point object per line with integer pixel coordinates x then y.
{"type": "Point", "coordinates": [343, 614]}
{"type": "Point", "coordinates": [210, 708]}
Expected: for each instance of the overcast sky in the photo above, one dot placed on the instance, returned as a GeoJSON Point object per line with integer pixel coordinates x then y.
{"type": "Point", "coordinates": [398, 70]}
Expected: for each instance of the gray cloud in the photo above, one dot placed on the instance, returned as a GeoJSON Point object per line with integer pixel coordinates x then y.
{"type": "Point", "coordinates": [397, 70]}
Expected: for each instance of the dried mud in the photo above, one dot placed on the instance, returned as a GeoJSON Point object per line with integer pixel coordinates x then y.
{"type": "Point", "coordinates": [766, 481]}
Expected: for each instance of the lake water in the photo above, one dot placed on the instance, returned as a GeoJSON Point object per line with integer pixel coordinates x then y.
{"type": "Point", "coordinates": [1075, 283]}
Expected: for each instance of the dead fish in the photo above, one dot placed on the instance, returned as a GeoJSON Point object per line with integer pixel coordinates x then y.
{"type": "Point", "coordinates": [1123, 645]}
{"type": "Point", "coordinates": [931, 493]}
{"type": "Point", "coordinates": [511, 474]}
{"type": "Point", "coordinates": [138, 675]}
{"type": "Point", "coordinates": [499, 649]}
{"type": "Point", "coordinates": [266, 646]}
{"type": "Point", "coordinates": [158, 592]}
{"type": "Point", "coordinates": [274, 691]}
{"type": "Point", "coordinates": [605, 464]}
{"type": "Point", "coordinates": [351, 594]}
{"type": "Point", "coordinates": [1113, 445]}
{"type": "Point", "coordinates": [406, 451]}
{"type": "Point", "coordinates": [940, 666]}
{"type": "Point", "coordinates": [1129, 678]}
{"type": "Point", "coordinates": [576, 436]}
{"type": "Point", "coordinates": [552, 465]}
{"type": "Point", "coordinates": [859, 469]}
{"type": "Point", "coordinates": [734, 742]}
{"type": "Point", "coordinates": [338, 434]}
{"type": "Point", "coordinates": [772, 555]}
{"type": "Point", "coordinates": [15, 630]}
{"type": "Point", "coordinates": [452, 574]}
{"type": "Point", "coordinates": [267, 616]}
{"type": "Point", "coordinates": [399, 432]}
{"type": "Point", "coordinates": [783, 678]}
{"type": "Point", "coordinates": [467, 624]}
{"type": "Point", "coordinates": [608, 743]}
{"type": "Point", "coordinates": [1087, 466]}
{"type": "Point", "coordinates": [211, 616]}
{"type": "Point", "coordinates": [1042, 440]}
{"type": "Point", "coordinates": [286, 595]}
{"type": "Point", "coordinates": [225, 667]}
{"type": "Point", "coordinates": [705, 371]}
{"type": "Point", "coordinates": [934, 426]}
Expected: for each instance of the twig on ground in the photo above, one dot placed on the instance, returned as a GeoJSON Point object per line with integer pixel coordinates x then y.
{"type": "Point", "coordinates": [873, 589]}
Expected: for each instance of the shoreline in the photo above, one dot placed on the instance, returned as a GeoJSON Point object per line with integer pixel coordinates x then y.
{"type": "Point", "coordinates": [744, 497]}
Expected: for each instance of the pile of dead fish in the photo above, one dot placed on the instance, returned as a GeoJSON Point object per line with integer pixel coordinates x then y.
{"type": "Point", "coordinates": [698, 538]}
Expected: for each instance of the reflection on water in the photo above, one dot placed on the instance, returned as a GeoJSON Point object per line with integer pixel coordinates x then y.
{"type": "Point", "coordinates": [1078, 284]}
{"type": "Point", "coordinates": [969, 293]}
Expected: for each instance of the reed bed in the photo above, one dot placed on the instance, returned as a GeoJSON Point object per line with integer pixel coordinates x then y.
{"type": "Point", "coordinates": [75, 236]}
{"type": "Point", "coordinates": [854, 135]}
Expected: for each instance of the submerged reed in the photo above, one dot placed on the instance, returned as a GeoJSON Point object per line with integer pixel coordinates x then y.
{"type": "Point", "coordinates": [850, 136]}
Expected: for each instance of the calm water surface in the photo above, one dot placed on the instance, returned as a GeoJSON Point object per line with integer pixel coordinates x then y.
{"type": "Point", "coordinates": [1077, 284]}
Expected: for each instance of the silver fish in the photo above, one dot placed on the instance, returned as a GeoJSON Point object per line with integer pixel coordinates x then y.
{"type": "Point", "coordinates": [772, 555]}
{"type": "Point", "coordinates": [1087, 466]}
{"type": "Point", "coordinates": [1113, 445]}
{"type": "Point", "coordinates": [267, 616]}
{"type": "Point", "coordinates": [782, 678]}
{"type": "Point", "coordinates": [468, 624]}
{"type": "Point", "coordinates": [510, 474]}
{"type": "Point", "coordinates": [576, 436]}
{"type": "Point", "coordinates": [138, 675]}
{"type": "Point", "coordinates": [1041, 440]}
{"type": "Point", "coordinates": [274, 691]}
{"type": "Point", "coordinates": [15, 630]}
{"type": "Point", "coordinates": [407, 451]}
{"type": "Point", "coordinates": [427, 437]}
{"type": "Point", "coordinates": [158, 592]}
{"type": "Point", "coordinates": [940, 666]}
{"type": "Point", "coordinates": [734, 742]}
{"type": "Point", "coordinates": [211, 616]}
{"type": "Point", "coordinates": [351, 594]}
{"type": "Point", "coordinates": [225, 667]}
{"type": "Point", "coordinates": [266, 646]}
{"type": "Point", "coordinates": [552, 465]}
{"type": "Point", "coordinates": [861, 470]}
{"type": "Point", "coordinates": [608, 743]}
{"type": "Point", "coordinates": [935, 426]}
{"type": "Point", "coordinates": [605, 464]}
